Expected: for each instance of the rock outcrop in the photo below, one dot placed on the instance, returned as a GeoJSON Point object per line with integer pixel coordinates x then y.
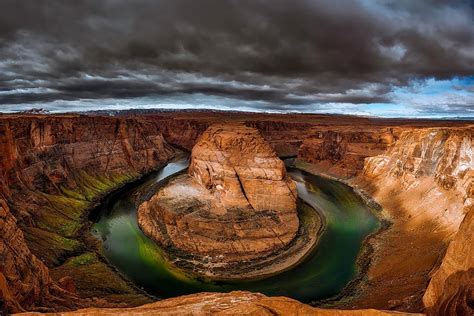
{"type": "Point", "coordinates": [434, 167]}
{"type": "Point", "coordinates": [24, 280]}
{"type": "Point", "coordinates": [451, 289]}
{"type": "Point", "coordinates": [237, 204]}
{"type": "Point", "coordinates": [424, 183]}
{"type": "Point", "coordinates": [242, 171]}
{"type": "Point", "coordinates": [234, 303]}
{"type": "Point", "coordinates": [341, 152]}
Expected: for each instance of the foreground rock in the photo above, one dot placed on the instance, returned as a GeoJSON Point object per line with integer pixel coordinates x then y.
{"type": "Point", "coordinates": [234, 303]}
{"type": "Point", "coordinates": [236, 206]}
{"type": "Point", "coordinates": [451, 289]}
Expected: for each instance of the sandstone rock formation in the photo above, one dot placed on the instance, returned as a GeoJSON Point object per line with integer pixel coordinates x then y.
{"type": "Point", "coordinates": [234, 303]}
{"type": "Point", "coordinates": [241, 170]}
{"type": "Point", "coordinates": [435, 167]}
{"type": "Point", "coordinates": [451, 289]}
{"type": "Point", "coordinates": [237, 203]}
{"type": "Point", "coordinates": [341, 153]}
{"type": "Point", "coordinates": [24, 280]}
{"type": "Point", "coordinates": [53, 170]}
{"type": "Point", "coordinates": [422, 177]}
{"type": "Point", "coordinates": [424, 183]}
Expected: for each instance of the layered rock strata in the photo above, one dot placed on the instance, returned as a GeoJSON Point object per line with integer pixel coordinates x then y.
{"type": "Point", "coordinates": [422, 178]}
{"type": "Point", "coordinates": [24, 280]}
{"type": "Point", "coordinates": [236, 204]}
{"type": "Point", "coordinates": [424, 182]}
{"type": "Point", "coordinates": [53, 171]}
{"type": "Point", "coordinates": [435, 167]}
{"type": "Point", "coordinates": [342, 152]}
{"type": "Point", "coordinates": [451, 289]}
{"type": "Point", "coordinates": [31, 163]}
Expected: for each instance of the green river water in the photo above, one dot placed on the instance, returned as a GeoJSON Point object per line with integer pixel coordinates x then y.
{"type": "Point", "coordinates": [323, 273]}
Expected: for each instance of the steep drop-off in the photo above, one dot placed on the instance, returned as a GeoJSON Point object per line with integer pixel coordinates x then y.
{"type": "Point", "coordinates": [53, 171]}
{"type": "Point", "coordinates": [424, 182]}
{"type": "Point", "coordinates": [423, 179]}
{"type": "Point", "coordinates": [451, 289]}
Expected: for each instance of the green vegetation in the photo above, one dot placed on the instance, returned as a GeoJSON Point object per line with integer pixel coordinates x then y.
{"type": "Point", "coordinates": [93, 186]}
{"type": "Point", "coordinates": [63, 215]}
{"type": "Point", "coordinates": [85, 258]}
{"type": "Point", "coordinates": [51, 248]}
{"type": "Point", "coordinates": [93, 277]}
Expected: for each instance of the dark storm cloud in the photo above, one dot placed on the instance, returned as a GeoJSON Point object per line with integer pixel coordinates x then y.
{"type": "Point", "coordinates": [280, 52]}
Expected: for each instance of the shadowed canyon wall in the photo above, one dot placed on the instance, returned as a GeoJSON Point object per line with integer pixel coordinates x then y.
{"type": "Point", "coordinates": [53, 171]}
{"type": "Point", "coordinates": [451, 289]}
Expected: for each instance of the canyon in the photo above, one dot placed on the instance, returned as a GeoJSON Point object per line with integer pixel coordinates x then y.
{"type": "Point", "coordinates": [56, 169]}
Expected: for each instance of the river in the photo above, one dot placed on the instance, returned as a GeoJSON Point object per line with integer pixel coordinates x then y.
{"type": "Point", "coordinates": [323, 273]}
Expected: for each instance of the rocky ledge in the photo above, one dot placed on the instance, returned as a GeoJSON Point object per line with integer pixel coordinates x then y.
{"type": "Point", "coordinates": [234, 303]}
{"type": "Point", "coordinates": [234, 215]}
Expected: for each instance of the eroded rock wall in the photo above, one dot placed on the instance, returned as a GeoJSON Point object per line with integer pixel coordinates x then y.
{"type": "Point", "coordinates": [53, 170]}
{"type": "Point", "coordinates": [424, 183]}
{"type": "Point", "coordinates": [451, 289]}
{"type": "Point", "coordinates": [435, 167]}
{"type": "Point", "coordinates": [236, 164]}
{"type": "Point", "coordinates": [340, 152]}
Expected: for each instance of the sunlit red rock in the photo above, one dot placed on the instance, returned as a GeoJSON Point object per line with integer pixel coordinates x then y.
{"type": "Point", "coordinates": [237, 203]}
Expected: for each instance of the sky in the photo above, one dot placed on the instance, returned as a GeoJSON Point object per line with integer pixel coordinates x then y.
{"type": "Point", "coordinates": [393, 58]}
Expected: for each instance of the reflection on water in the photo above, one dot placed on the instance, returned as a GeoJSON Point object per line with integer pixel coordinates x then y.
{"type": "Point", "coordinates": [329, 267]}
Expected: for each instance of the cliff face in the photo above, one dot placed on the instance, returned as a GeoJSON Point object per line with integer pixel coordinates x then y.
{"type": "Point", "coordinates": [341, 152]}
{"type": "Point", "coordinates": [236, 164]}
{"type": "Point", "coordinates": [451, 289]}
{"type": "Point", "coordinates": [423, 179]}
{"type": "Point", "coordinates": [424, 183]}
{"type": "Point", "coordinates": [435, 166]}
{"type": "Point", "coordinates": [24, 280]}
{"type": "Point", "coordinates": [53, 170]}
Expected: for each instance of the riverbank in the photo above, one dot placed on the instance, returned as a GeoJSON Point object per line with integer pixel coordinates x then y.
{"type": "Point", "coordinates": [330, 265]}
{"type": "Point", "coordinates": [367, 251]}
{"type": "Point", "coordinates": [396, 262]}
{"type": "Point", "coordinates": [310, 230]}
{"type": "Point", "coordinates": [93, 276]}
